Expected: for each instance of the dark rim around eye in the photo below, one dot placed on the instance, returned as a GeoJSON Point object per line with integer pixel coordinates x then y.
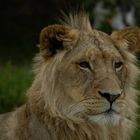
{"type": "Point", "coordinates": [118, 65]}
{"type": "Point", "coordinates": [84, 64]}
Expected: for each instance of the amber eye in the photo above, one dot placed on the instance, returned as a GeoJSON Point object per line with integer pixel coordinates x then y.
{"type": "Point", "coordinates": [118, 66]}
{"type": "Point", "coordinates": [84, 64]}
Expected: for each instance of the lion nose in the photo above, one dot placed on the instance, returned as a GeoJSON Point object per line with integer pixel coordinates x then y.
{"type": "Point", "coordinates": [109, 96]}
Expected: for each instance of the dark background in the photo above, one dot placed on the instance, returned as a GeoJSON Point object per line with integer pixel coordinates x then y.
{"type": "Point", "coordinates": [22, 20]}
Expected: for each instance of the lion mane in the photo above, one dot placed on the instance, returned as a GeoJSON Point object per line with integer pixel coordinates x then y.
{"type": "Point", "coordinates": [83, 87]}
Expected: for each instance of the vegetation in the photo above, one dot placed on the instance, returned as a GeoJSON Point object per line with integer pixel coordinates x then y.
{"type": "Point", "coordinates": [14, 81]}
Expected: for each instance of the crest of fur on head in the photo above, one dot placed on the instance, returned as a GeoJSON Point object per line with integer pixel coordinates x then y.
{"type": "Point", "coordinates": [80, 72]}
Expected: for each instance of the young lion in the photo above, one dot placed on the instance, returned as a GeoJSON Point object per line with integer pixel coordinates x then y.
{"type": "Point", "coordinates": [83, 86]}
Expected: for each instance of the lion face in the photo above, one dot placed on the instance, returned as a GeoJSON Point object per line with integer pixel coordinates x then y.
{"type": "Point", "coordinates": [90, 73]}
{"type": "Point", "coordinates": [94, 74]}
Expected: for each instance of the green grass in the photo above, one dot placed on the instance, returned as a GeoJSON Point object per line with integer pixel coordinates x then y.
{"type": "Point", "coordinates": [14, 82]}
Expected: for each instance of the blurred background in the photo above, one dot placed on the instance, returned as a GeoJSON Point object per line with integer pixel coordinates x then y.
{"type": "Point", "coordinates": [20, 25]}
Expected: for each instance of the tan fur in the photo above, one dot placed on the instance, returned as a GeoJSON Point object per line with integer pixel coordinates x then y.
{"type": "Point", "coordinates": [64, 101]}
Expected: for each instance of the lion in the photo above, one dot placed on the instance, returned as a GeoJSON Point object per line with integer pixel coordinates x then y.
{"type": "Point", "coordinates": [83, 87]}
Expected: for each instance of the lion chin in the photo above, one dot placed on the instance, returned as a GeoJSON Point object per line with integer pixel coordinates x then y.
{"type": "Point", "coordinates": [83, 87]}
{"type": "Point", "coordinates": [108, 118]}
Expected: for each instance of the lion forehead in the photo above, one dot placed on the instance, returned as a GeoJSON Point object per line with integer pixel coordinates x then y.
{"type": "Point", "coordinates": [95, 45]}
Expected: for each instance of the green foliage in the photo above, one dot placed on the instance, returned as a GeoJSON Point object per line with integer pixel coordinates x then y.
{"type": "Point", "coordinates": [14, 81]}
{"type": "Point", "coordinates": [137, 132]}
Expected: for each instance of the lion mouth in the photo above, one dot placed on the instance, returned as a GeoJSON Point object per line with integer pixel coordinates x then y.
{"type": "Point", "coordinates": [109, 111]}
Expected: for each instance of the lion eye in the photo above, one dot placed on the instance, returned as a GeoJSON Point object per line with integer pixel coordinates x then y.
{"type": "Point", "coordinates": [84, 64]}
{"type": "Point", "coordinates": [118, 66]}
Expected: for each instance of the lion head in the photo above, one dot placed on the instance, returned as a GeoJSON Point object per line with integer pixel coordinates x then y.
{"type": "Point", "coordinates": [83, 74]}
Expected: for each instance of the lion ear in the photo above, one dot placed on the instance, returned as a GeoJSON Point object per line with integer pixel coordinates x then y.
{"type": "Point", "coordinates": [53, 39]}
{"type": "Point", "coordinates": [128, 38]}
